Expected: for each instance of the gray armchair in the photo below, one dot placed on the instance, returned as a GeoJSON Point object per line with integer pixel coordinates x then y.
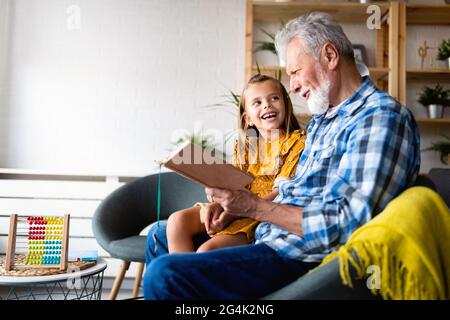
{"type": "Point", "coordinates": [322, 284]}
{"type": "Point", "coordinates": [441, 179]}
{"type": "Point", "coordinates": [120, 218]}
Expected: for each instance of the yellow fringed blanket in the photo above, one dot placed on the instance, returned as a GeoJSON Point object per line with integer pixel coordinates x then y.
{"type": "Point", "coordinates": [409, 243]}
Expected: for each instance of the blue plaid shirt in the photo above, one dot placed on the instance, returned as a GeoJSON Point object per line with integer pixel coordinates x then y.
{"type": "Point", "coordinates": [355, 161]}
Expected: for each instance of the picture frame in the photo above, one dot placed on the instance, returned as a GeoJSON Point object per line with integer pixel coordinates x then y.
{"type": "Point", "coordinates": [360, 54]}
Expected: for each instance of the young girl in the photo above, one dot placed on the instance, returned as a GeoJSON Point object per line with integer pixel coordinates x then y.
{"type": "Point", "coordinates": [270, 155]}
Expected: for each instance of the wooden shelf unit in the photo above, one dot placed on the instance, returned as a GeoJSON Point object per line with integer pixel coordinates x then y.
{"type": "Point", "coordinates": [385, 71]}
{"type": "Point", "coordinates": [390, 72]}
{"type": "Point", "coordinates": [428, 121]}
{"type": "Point", "coordinates": [428, 74]}
{"type": "Point", "coordinates": [270, 11]}
{"type": "Point", "coordinates": [420, 14]}
{"type": "Point", "coordinates": [427, 14]}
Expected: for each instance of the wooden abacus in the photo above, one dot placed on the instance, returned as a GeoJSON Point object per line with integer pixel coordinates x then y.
{"type": "Point", "coordinates": [43, 239]}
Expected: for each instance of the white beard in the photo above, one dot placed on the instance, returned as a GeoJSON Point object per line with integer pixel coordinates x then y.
{"type": "Point", "coordinates": [319, 98]}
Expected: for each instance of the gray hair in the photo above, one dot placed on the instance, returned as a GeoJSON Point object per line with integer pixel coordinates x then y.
{"type": "Point", "coordinates": [314, 30]}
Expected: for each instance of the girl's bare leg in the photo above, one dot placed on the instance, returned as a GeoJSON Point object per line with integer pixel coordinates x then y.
{"type": "Point", "coordinates": [223, 241]}
{"type": "Point", "coordinates": [182, 226]}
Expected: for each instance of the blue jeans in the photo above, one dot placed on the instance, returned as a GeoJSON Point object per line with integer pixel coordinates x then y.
{"type": "Point", "coordinates": [243, 272]}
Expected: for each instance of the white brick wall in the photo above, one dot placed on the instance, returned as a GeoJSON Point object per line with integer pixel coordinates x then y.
{"type": "Point", "coordinates": [106, 98]}
{"type": "Point", "coordinates": [4, 13]}
{"type": "Point", "coordinates": [4, 23]}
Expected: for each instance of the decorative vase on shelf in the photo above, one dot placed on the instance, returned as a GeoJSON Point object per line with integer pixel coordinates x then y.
{"type": "Point", "coordinates": [435, 111]}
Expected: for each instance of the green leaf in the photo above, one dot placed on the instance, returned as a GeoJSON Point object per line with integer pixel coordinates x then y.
{"type": "Point", "coordinates": [443, 147]}
{"type": "Point", "coordinates": [266, 45]}
{"type": "Point", "coordinates": [258, 69]}
{"type": "Point", "coordinates": [444, 50]}
{"type": "Point", "coordinates": [271, 36]}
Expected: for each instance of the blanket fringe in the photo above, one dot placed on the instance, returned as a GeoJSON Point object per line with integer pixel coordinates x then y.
{"type": "Point", "coordinates": [396, 281]}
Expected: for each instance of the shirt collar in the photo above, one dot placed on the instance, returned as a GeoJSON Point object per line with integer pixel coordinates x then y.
{"type": "Point", "coordinates": [332, 111]}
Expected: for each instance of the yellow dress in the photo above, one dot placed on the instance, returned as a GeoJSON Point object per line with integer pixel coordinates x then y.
{"type": "Point", "coordinates": [272, 162]}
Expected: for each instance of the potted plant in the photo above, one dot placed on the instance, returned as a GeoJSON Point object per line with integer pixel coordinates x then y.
{"type": "Point", "coordinates": [266, 45]}
{"type": "Point", "coordinates": [444, 51]}
{"type": "Point", "coordinates": [435, 99]}
{"type": "Point", "coordinates": [443, 147]}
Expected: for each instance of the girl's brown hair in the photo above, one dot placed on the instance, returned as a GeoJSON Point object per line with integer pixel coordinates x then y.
{"type": "Point", "coordinates": [290, 123]}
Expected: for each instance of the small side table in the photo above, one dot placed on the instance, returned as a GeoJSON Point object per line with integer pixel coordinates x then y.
{"type": "Point", "coordinates": [81, 285]}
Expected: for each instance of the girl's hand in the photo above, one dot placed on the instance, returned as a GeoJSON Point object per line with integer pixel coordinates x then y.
{"type": "Point", "coordinates": [220, 222]}
{"type": "Point", "coordinates": [209, 213]}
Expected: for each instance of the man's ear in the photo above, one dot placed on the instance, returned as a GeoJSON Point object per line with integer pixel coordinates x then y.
{"type": "Point", "coordinates": [330, 56]}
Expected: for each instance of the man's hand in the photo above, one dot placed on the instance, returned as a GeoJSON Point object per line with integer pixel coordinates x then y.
{"type": "Point", "coordinates": [248, 205]}
{"type": "Point", "coordinates": [241, 203]}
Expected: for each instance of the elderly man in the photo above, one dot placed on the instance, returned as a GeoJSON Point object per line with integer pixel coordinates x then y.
{"type": "Point", "coordinates": [362, 150]}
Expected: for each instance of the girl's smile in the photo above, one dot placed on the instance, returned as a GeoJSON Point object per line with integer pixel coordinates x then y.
{"type": "Point", "coordinates": [266, 108]}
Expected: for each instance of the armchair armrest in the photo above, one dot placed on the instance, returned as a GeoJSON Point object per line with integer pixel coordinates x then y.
{"type": "Point", "coordinates": [324, 283]}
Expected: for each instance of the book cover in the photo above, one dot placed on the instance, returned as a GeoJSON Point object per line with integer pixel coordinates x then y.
{"type": "Point", "coordinates": [202, 166]}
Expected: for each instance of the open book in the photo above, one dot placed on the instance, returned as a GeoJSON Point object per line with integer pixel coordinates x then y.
{"type": "Point", "coordinates": [201, 166]}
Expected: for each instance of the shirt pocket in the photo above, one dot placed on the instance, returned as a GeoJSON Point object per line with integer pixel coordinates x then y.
{"type": "Point", "coordinates": [327, 156]}
{"type": "Point", "coordinates": [324, 153]}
